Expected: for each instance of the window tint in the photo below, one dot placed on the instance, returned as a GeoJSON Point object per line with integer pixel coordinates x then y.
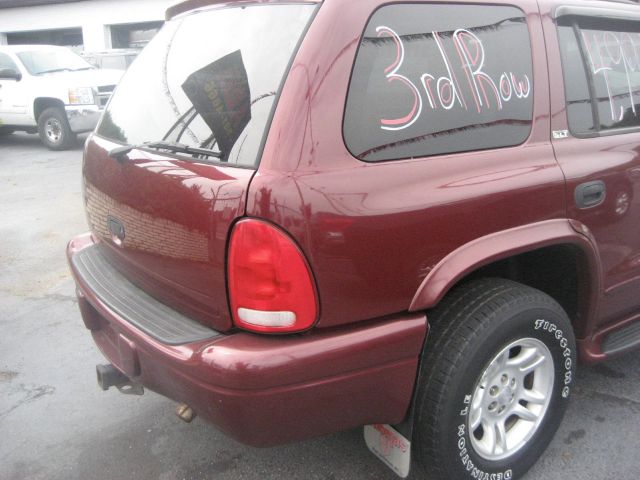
{"type": "Point", "coordinates": [433, 79]}
{"type": "Point", "coordinates": [7, 63]}
{"type": "Point", "coordinates": [611, 53]}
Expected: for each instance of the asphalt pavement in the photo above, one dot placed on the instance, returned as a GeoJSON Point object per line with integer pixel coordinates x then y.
{"type": "Point", "coordinates": [55, 423]}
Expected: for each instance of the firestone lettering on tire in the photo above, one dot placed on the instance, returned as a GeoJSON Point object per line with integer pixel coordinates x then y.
{"type": "Point", "coordinates": [544, 325]}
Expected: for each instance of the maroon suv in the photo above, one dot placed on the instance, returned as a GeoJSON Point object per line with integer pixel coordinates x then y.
{"type": "Point", "coordinates": [309, 216]}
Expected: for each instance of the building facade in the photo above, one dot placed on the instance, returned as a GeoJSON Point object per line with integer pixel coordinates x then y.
{"type": "Point", "coordinates": [89, 25]}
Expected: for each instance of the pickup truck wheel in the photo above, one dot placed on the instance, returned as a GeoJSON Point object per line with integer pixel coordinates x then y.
{"type": "Point", "coordinates": [6, 131]}
{"type": "Point", "coordinates": [495, 381]}
{"type": "Point", "coordinates": [54, 129]}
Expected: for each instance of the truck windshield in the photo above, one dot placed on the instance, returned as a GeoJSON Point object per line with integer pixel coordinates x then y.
{"type": "Point", "coordinates": [208, 80]}
{"type": "Point", "coordinates": [38, 62]}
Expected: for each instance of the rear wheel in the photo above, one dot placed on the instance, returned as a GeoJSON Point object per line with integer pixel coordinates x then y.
{"type": "Point", "coordinates": [54, 129]}
{"type": "Point", "coordinates": [497, 374]}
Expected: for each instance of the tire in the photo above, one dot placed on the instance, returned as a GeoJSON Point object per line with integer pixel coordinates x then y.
{"type": "Point", "coordinates": [466, 391]}
{"type": "Point", "coordinates": [54, 129]}
{"type": "Point", "coordinates": [6, 131]}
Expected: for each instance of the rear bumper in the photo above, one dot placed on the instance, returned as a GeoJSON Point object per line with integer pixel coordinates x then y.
{"type": "Point", "coordinates": [267, 390]}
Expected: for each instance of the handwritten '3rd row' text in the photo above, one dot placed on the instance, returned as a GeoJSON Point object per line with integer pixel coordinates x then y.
{"type": "Point", "coordinates": [446, 91]}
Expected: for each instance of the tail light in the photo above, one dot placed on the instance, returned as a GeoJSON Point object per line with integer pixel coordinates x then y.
{"type": "Point", "coordinates": [271, 288]}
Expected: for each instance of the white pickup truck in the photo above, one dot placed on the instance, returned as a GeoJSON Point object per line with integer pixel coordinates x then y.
{"type": "Point", "coordinates": [52, 91]}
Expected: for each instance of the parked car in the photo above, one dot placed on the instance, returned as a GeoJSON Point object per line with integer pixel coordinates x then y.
{"type": "Point", "coordinates": [405, 215]}
{"type": "Point", "coordinates": [52, 91]}
{"type": "Point", "coordinates": [118, 59]}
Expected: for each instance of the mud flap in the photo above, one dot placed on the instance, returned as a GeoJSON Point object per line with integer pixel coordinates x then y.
{"type": "Point", "coordinates": [391, 447]}
{"type": "Point", "coordinates": [392, 444]}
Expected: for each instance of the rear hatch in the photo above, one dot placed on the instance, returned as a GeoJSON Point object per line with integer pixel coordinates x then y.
{"type": "Point", "coordinates": [208, 80]}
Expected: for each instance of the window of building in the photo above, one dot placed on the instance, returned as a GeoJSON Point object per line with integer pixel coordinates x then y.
{"type": "Point", "coordinates": [436, 79]}
{"type": "Point", "coordinates": [65, 37]}
{"type": "Point", "coordinates": [133, 35]}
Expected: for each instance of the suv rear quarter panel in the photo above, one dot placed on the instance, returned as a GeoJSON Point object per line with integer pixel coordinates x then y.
{"type": "Point", "coordinates": [373, 231]}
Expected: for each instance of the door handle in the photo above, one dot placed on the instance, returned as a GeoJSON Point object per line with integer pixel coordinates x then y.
{"type": "Point", "coordinates": [590, 194]}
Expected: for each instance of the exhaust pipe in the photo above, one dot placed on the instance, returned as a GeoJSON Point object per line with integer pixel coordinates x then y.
{"type": "Point", "coordinates": [110, 376]}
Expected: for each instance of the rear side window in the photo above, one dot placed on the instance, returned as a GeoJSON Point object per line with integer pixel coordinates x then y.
{"type": "Point", "coordinates": [436, 79]}
{"type": "Point", "coordinates": [601, 63]}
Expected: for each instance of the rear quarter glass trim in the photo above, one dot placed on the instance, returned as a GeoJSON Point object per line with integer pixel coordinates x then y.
{"type": "Point", "coordinates": [605, 133]}
{"type": "Point", "coordinates": [599, 12]}
{"type": "Point", "coordinates": [424, 154]}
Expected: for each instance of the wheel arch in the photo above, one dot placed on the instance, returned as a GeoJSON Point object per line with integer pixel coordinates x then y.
{"type": "Point", "coordinates": [40, 104]}
{"type": "Point", "coordinates": [517, 254]}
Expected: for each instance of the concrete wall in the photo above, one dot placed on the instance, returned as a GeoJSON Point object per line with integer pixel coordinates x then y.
{"type": "Point", "coordinates": [94, 17]}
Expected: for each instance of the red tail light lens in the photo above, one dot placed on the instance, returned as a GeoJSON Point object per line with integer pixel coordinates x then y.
{"type": "Point", "coordinates": [270, 284]}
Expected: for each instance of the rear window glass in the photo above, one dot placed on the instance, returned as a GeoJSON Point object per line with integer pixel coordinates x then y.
{"type": "Point", "coordinates": [435, 79]}
{"type": "Point", "coordinates": [611, 53]}
{"type": "Point", "coordinates": [208, 80]}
